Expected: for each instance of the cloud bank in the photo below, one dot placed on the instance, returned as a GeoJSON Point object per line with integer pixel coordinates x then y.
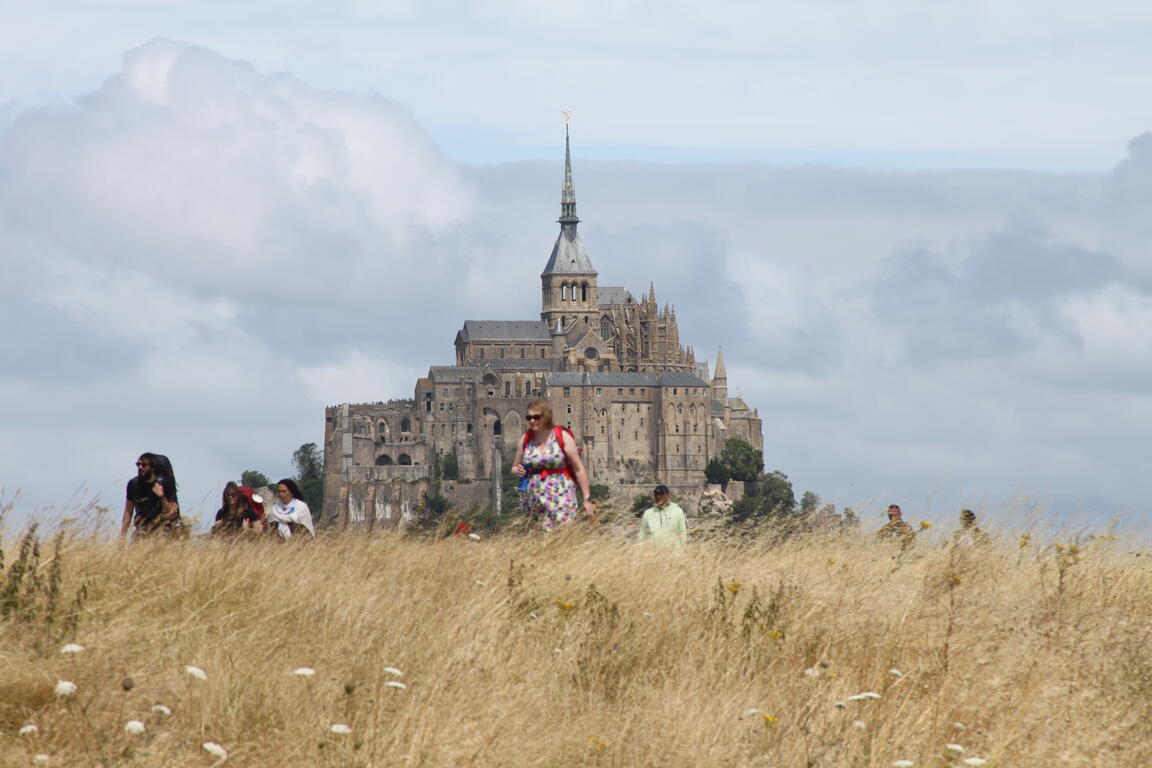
{"type": "Point", "coordinates": [199, 256]}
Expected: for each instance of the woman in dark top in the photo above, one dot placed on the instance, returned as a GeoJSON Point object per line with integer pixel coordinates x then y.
{"type": "Point", "coordinates": [240, 510]}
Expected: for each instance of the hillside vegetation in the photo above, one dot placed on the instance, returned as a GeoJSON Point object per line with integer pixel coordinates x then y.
{"type": "Point", "coordinates": [576, 649]}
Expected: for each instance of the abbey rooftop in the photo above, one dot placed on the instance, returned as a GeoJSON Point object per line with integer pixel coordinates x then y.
{"type": "Point", "coordinates": [610, 364]}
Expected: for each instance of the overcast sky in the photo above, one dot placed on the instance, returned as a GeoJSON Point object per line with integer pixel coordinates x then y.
{"type": "Point", "coordinates": [920, 233]}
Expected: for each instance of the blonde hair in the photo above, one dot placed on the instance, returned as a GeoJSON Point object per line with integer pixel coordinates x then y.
{"type": "Point", "coordinates": [545, 412]}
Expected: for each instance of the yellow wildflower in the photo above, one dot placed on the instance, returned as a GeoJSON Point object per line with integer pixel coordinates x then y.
{"type": "Point", "coordinates": [734, 586]}
{"type": "Point", "coordinates": [770, 720]}
{"type": "Point", "coordinates": [924, 524]}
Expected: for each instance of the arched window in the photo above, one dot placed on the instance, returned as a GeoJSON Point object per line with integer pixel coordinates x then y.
{"type": "Point", "coordinates": [583, 291]}
{"type": "Point", "coordinates": [383, 460]}
{"type": "Point", "coordinates": [564, 292]}
{"type": "Point", "coordinates": [383, 431]}
{"type": "Point", "coordinates": [496, 428]}
{"type": "Point", "coordinates": [405, 426]}
{"type": "Point", "coordinates": [404, 460]}
{"type": "Point", "coordinates": [606, 327]}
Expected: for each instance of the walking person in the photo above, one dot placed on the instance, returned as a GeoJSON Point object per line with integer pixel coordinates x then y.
{"type": "Point", "coordinates": [290, 513]}
{"type": "Point", "coordinates": [549, 461]}
{"type": "Point", "coordinates": [240, 510]}
{"type": "Point", "coordinates": [151, 504]}
{"type": "Point", "coordinates": [896, 530]}
{"type": "Point", "coordinates": [664, 523]}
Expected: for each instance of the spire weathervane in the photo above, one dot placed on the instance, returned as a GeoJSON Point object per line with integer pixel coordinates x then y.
{"type": "Point", "coordinates": [568, 195]}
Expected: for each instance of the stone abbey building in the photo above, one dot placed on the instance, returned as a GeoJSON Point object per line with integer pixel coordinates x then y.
{"type": "Point", "coordinates": [610, 364]}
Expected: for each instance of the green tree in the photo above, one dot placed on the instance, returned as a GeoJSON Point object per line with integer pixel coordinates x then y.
{"type": "Point", "coordinates": [809, 502]}
{"type": "Point", "coordinates": [254, 479]}
{"type": "Point", "coordinates": [717, 472]}
{"type": "Point", "coordinates": [450, 466]}
{"type": "Point", "coordinates": [309, 463]}
{"type": "Point", "coordinates": [742, 460]}
{"type": "Point", "coordinates": [598, 492]}
{"type": "Point", "coordinates": [770, 497]}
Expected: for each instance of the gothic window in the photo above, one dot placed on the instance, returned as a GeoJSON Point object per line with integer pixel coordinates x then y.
{"type": "Point", "coordinates": [606, 327]}
{"type": "Point", "coordinates": [497, 429]}
{"type": "Point", "coordinates": [569, 410]}
{"type": "Point", "coordinates": [521, 353]}
{"type": "Point", "coordinates": [583, 291]}
{"type": "Point", "coordinates": [680, 409]}
{"type": "Point", "coordinates": [469, 427]}
{"type": "Point", "coordinates": [479, 353]}
{"type": "Point", "coordinates": [507, 389]}
{"type": "Point", "coordinates": [620, 391]}
{"type": "Point", "coordinates": [543, 353]}
{"type": "Point", "coordinates": [405, 426]}
{"type": "Point", "coordinates": [404, 460]}
{"type": "Point", "coordinates": [591, 353]}
{"type": "Point", "coordinates": [564, 292]}
{"type": "Point", "coordinates": [451, 407]}
{"type": "Point", "coordinates": [501, 353]}
{"type": "Point", "coordinates": [677, 429]}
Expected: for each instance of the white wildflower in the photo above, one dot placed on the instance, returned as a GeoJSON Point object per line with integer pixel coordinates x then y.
{"type": "Point", "coordinates": [396, 684]}
{"type": "Point", "coordinates": [197, 673]}
{"type": "Point", "coordinates": [215, 749]}
{"type": "Point", "coordinates": [864, 696]}
{"type": "Point", "coordinates": [648, 614]}
{"type": "Point", "coordinates": [72, 648]}
{"type": "Point", "coordinates": [750, 712]}
{"type": "Point", "coordinates": [340, 728]}
{"type": "Point", "coordinates": [161, 710]}
{"type": "Point", "coordinates": [974, 761]}
{"type": "Point", "coordinates": [481, 583]}
{"type": "Point", "coordinates": [28, 730]}
{"type": "Point", "coordinates": [812, 672]}
{"type": "Point", "coordinates": [959, 726]}
{"type": "Point", "coordinates": [393, 671]}
{"type": "Point", "coordinates": [474, 536]}
{"type": "Point", "coordinates": [895, 672]}
{"type": "Point", "coordinates": [858, 724]}
{"type": "Point", "coordinates": [133, 727]}
{"type": "Point", "coordinates": [64, 688]}
{"type": "Point", "coordinates": [40, 759]}
{"type": "Point", "coordinates": [954, 748]}
{"type": "Point", "coordinates": [557, 650]}
{"type": "Point", "coordinates": [902, 764]}
{"type": "Point", "coordinates": [304, 671]}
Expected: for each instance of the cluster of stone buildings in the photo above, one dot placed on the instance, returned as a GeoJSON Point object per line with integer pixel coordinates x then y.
{"type": "Point", "coordinates": [610, 364]}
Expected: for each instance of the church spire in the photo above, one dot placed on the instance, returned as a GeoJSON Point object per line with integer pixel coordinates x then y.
{"type": "Point", "coordinates": [568, 195]}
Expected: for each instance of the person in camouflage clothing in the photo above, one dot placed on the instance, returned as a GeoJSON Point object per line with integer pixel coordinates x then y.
{"type": "Point", "coordinates": [896, 530]}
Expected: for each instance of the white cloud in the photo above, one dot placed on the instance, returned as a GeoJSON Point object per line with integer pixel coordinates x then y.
{"type": "Point", "coordinates": [356, 378]}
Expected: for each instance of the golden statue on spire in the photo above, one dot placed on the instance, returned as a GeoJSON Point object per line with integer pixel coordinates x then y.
{"type": "Point", "coordinates": [567, 116]}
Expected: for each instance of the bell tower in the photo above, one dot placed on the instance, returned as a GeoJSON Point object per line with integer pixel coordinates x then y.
{"type": "Point", "coordinates": [568, 282]}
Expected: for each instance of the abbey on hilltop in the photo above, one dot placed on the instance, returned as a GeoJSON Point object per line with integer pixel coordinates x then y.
{"type": "Point", "coordinates": [610, 364]}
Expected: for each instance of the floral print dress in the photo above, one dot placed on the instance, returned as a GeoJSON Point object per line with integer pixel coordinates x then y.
{"type": "Point", "coordinates": [551, 492]}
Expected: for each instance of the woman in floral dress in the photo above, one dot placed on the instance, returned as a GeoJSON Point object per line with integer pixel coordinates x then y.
{"type": "Point", "coordinates": [549, 463]}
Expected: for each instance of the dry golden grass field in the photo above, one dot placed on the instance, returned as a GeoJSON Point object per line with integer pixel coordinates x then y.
{"type": "Point", "coordinates": [576, 649]}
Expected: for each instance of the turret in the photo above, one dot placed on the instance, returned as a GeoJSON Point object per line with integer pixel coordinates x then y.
{"type": "Point", "coordinates": [568, 282]}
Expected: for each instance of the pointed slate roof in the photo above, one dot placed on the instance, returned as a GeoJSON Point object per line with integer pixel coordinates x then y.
{"type": "Point", "coordinates": [569, 256]}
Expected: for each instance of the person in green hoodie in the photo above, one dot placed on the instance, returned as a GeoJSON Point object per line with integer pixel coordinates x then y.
{"type": "Point", "coordinates": [664, 522]}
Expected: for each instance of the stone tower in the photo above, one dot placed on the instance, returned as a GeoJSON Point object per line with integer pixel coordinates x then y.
{"type": "Point", "coordinates": [568, 282]}
{"type": "Point", "coordinates": [720, 379]}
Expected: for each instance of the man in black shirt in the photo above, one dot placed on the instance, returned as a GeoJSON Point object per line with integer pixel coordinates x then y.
{"type": "Point", "coordinates": [151, 503]}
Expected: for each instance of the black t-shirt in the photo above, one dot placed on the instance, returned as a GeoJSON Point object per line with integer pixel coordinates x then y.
{"type": "Point", "coordinates": [146, 503]}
